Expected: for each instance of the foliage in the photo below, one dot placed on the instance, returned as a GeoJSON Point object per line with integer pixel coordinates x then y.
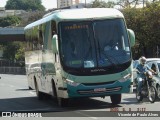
{"type": "Point", "coordinates": [10, 21]}
{"type": "Point", "coordinates": [145, 22]}
{"type": "Point", "coordinates": [10, 50]}
{"type": "Point", "coordinates": [31, 17]}
{"type": "Point", "coordinates": [13, 51]}
{"type": "Point", "coordinates": [28, 5]}
{"type": "Point", "coordinates": [128, 3]}
{"type": "Point", "coordinates": [102, 4]}
{"type": "Point", "coordinates": [19, 56]}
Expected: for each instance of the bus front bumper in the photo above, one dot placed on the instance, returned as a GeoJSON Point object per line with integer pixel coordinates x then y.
{"type": "Point", "coordinates": [93, 90]}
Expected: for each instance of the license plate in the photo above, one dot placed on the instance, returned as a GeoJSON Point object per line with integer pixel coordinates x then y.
{"type": "Point", "coordinates": [99, 89]}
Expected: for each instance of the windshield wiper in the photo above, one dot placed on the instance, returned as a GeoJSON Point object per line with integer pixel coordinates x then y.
{"type": "Point", "coordinates": [90, 47]}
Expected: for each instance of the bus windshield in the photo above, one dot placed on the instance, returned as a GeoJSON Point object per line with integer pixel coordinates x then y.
{"type": "Point", "coordinates": [94, 44]}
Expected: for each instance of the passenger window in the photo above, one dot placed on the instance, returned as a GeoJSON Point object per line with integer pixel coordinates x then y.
{"type": "Point", "coordinates": [154, 67]}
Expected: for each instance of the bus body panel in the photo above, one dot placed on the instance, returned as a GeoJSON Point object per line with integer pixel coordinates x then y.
{"type": "Point", "coordinates": [44, 66]}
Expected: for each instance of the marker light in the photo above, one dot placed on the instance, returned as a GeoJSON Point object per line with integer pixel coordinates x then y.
{"type": "Point", "coordinates": [125, 78]}
{"type": "Point", "coordinates": [72, 83]}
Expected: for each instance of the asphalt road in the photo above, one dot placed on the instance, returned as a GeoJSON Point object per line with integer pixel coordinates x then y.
{"type": "Point", "coordinates": [16, 97]}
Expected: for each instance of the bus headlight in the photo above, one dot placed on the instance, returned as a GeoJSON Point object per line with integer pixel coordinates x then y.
{"type": "Point", "coordinates": [125, 78]}
{"type": "Point", "coordinates": [72, 83]}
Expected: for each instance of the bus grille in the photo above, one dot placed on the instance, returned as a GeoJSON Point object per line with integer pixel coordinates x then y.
{"type": "Point", "coordinates": [92, 84]}
{"type": "Point", "coordinates": [92, 91]}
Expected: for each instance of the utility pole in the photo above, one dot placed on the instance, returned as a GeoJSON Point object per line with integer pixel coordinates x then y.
{"type": "Point", "coordinates": [157, 51]}
{"type": "Point", "coordinates": [85, 3]}
{"type": "Point", "coordinates": [143, 3]}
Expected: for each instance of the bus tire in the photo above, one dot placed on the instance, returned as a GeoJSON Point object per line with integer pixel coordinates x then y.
{"type": "Point", "coordinates": [30, 88]}
{"type": "Point", "coordinates": [38, 93]}
{"type": "Point", "coordinates": [116, 99]}
{"type": "Point", "coordinates": [54, 89]}
{"type": "Point", "coordinates": [63, 102]}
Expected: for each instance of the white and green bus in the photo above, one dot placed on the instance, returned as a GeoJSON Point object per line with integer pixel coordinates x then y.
{"type": "Point", "coordinates": [79, 53]}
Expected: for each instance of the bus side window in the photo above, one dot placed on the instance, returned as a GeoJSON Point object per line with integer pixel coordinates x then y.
{"type": "Point", "coordinates": [53, 32]}
{"type": "Point", "coordinates": [31, 40]}
{"type": "Point", "coordinates": [56, 58]}
{"type": "Point", "coordinates": [53, 25]}
{"type": "Point", "coordinates": [27, 40]}
{"type": "Point", "coordinates": [40, 35]}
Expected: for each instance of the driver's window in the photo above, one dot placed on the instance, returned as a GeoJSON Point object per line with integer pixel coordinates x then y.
{"type": "Point", "coordinates": [153, 67]}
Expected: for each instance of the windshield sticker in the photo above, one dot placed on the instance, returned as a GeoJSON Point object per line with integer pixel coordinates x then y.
{"type": "Point", "coordinates": [75, 62]}
{"type": "Point", "coordinates": [88, 64]}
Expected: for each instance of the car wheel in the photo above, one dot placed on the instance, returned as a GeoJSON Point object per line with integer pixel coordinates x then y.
{"type": "Point", "coordinates": [158, 92]}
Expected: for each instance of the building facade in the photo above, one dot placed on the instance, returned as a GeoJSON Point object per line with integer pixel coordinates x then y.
{"type": "Point", "coordinates": [66, 3]}
{"type": "Point", "coordinates": [5, 13]}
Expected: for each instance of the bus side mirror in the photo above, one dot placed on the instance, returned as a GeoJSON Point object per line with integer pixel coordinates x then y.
{"type": "Point", "coordinates": [131, 37]}
{"type": "Point", "coordinates": [55, 43]}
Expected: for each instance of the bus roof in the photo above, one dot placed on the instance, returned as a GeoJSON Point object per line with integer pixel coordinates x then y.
{"type": "Point", "coordinates": [78, 14]}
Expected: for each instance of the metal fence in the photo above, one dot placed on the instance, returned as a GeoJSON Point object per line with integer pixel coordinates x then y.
{"type": "Point", "coordinates": [13, 70]}
{"type": "Point", "coordinates": [11, 67]}
{"type": "Point", "coordinates": [8, 63]}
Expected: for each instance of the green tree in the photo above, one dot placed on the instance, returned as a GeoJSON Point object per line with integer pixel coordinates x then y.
{"type": "Point", "coordinates": [19, 56]}
{"type": "Point", "coordinates": [32, 16]}
{"type": "Point", "coordinates": [145, 22]}
{"type": "Point", "coordinates": [13, 51]}
{"type": "Point", "coordinates": [28, 5]}
{"type": "Point", "coordinates": [110, 4]}
{"type": "Point", "coordinates": [10, 21]}
{"type": "Point", "coordinates": [10, 50]}
{"type": "Point", "coordinates": [128, 3]}
{"type": "Point", "coordinates": [135, 22]}
{"type": "Point", "coordinates": [102, 4]}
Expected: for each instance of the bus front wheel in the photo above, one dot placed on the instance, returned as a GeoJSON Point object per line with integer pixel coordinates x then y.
{"type": "Point", "coordinates": [38, 93]}
{"type": "Point", "coordinates": [116, 99]}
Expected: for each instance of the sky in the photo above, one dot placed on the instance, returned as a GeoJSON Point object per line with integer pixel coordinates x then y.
{"type": "Point", "coordinates": [48, 4]}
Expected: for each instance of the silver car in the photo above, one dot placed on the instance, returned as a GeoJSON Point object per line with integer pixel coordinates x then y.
{"type": "Point", "coordinates": [155, 65]}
